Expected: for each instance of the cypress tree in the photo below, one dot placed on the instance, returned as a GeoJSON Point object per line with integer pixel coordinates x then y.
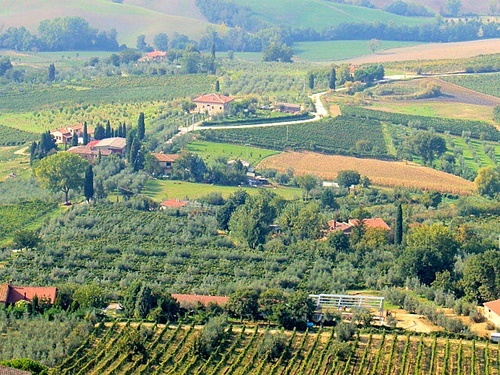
{"type": "Point", "coordinates": [217, 86]}
{"type": "Point", "coordinates": [33, 152]}
{"type": "Point", "coordinates": [141, 128]}
{"type": "Point", "coordinates": [398, 228]}
{"type": "Point", "coordinates": [85, 134]}
{"type": "Point", "coordinates": [332, 79]}
{"type": "Point", "coordinates": [88, 183]}
{"type": "Point", "coordinates": [74, 140]}
{"type": "Point", "coordinates": [108, 131]}
{"type": "Point", "coordinates": [52, 73]}
{"type": "Point", "coordinates": [212, 51]}
{"type": "Point", "coordinates": [311, 81]}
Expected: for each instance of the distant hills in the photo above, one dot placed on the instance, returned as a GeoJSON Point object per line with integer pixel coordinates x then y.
{"type": "Point", "coordinates": [132, 18]}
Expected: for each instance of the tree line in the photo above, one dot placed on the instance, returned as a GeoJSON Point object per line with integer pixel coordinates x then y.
{"type": "Point", "coordinates": [60, 34]}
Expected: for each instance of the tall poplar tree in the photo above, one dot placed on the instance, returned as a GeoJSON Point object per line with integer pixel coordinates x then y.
{"type": "Point", "coordinates": [85, 134]}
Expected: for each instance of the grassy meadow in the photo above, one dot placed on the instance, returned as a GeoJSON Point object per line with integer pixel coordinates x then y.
{"type": "Point", "coordinates": [340, 49]}
{"type": "Point", "coordinates": [211, 150]}
{"type": "Point", "coordinates": [321, 14]}
{"type": "Point", "coordinates": [160, 190]}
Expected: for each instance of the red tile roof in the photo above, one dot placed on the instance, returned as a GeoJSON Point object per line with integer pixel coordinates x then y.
{"type": "Point", "coordinates": [173, 203]}
{"type": "Point", "coordinates": [155, 54]}
{"type": "Point", "coordinates": [213, 99]}
{"type": "Point", "coordinates": [12, 371]}
{"type": "Point", "coordinates": [18, 293]}
{"type": "Point", "coordinates": [165, 158]}
{"type": "Point", "coordinates": [375, 222]}
{"type": "Point", "coordinates": [494, 306]}
{"type": "Point", "coordinates": [204, 300]}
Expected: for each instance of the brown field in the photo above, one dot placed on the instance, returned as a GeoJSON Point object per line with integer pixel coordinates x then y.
{"type": "Point", "coordinates": [383, 173]}
{"type": "Point", "coordinates": [432, 51]}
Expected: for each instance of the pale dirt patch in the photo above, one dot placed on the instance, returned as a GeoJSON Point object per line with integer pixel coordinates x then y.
{"type": "Point", "coordinates": [432, 51]}
{"type": "Point", "coordinates": [380, 172]}
{"type": "Point", "coordinates": [334, 110]}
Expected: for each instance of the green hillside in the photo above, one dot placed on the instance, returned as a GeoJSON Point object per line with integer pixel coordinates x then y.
{"type": "Point", "coordinates": [130, 19]}
{"type": "Point", "coordinates": [320, 14]}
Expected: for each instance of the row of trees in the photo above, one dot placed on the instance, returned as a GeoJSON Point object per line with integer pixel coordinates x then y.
{"type": "Point", "coordinates": [60, 34]}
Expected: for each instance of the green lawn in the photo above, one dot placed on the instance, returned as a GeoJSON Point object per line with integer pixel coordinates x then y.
{"type": "Point", "coordinates": [340, 49]}
{"type": "Point", "coordinates": [160, 190]}
{"type": "Point", "coordinates": [210, 150]}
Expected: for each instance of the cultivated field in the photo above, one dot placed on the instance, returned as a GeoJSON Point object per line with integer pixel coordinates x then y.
{"type": "Point", "coordinates": [170, 350]}
{"type": "Point", "coordinates": [432, 51]}
{"type": "Point", "coordinates": [385, 173]}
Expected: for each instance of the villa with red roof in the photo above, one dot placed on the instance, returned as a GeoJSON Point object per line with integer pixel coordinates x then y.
{"type": "Point", "coordinates": [375, 223]}
{"type": "Point", "coordinates": [65, 135]}
{"type": "Point", "coordinates": [492, 312]}
{"type": "Point", "coordinates": [155, 55]}
{"type": "Point", "coordinates": [212, 103]}
{"type": "Point", "coordinates": [10, 294]}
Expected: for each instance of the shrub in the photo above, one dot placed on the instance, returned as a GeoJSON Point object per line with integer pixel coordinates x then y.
{"type": "Point", "coordinates": [345, 331]}
{"type": "Point", "coordinates": [274, 346]}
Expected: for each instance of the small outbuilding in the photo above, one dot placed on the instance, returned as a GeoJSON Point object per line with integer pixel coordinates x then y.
{"type": "Point", "coordinates": [492, 312]}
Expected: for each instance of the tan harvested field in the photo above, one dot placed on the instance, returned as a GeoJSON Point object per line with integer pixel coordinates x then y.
{"type": "Point", "coordinates": [384, 173]}
{"type": "Point", "coordinates": [432, 51]}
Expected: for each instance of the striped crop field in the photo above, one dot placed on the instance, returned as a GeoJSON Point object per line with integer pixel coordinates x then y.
{"type": "Point", "coordinates": [129, 348]}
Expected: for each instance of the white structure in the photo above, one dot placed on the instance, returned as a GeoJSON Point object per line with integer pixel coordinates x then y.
{"type": "Point", "coordinates": [345, 302]}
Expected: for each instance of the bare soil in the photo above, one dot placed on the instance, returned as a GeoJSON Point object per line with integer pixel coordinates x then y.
{"type": "Point", "coordinates": [432, 51]}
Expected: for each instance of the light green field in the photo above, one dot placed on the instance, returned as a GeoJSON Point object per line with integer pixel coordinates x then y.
{"type": "Point", "coordinates": [340, 49]}
{"type": "Point", "coordinates": [319, 14]}
{"type": "Point", "coordinates": [160, 190]}
{"type": "Point", "coordinates": [60, 59]}
{"type": "Point", "coordinates": [210, 150]}
{"type": "Point", "coordinates": [12, 163]}
{"type": "Point", "coordinates": [437, 109]}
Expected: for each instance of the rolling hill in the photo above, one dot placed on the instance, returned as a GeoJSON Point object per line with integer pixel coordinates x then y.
{"type": "Point", "coordinates": [131, 18]}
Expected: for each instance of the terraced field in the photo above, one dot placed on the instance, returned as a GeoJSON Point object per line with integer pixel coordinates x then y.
{"type": "Point", "coordinates": [122, 349]}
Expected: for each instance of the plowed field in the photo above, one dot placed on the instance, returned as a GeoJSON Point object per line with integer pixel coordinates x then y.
{"type": "Point", "coordinates": [384, 173]}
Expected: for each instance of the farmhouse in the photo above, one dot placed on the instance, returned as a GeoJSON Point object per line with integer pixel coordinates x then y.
{"type": "Point", "coordinates": [156, 55]}
{"type": "Point", "coordinates": [212, 103]}
{"type": "Point", "coordinates": [65, 135]}
{"type": "Point", "coordinates": [173, 203]}
{"type": "Point", "coordinates": [165, 161]}
{"type": "Point", "coordinates": [10, 294]}
{"type": "Point", "coordinates": [375, 223]}
{"type": "Point", "coordinates": [492, 312]}
{"type": "Point", "coordinates": [104, 147]}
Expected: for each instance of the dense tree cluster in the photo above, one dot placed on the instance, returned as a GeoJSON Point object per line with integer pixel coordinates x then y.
{"type": "Point", "coordinates": [60, 34]}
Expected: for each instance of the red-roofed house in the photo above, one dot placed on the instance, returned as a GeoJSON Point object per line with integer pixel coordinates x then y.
{"type": "Point", "coordinates": [212, 103]}
{"type": "Point", "coordinates": [492, 312]}
{"type": "Point", "coordinates": [165, 161]}
{"type": "Point", "coordinates": [173, 203]}
{"type": "Point", "coordinates": [194, 299]}
{"type": "Point", "coordinates": [155, 56]}
{"type": "Point", "coordinates": [10, 294]}
{"type": "Point", "coordinates": [374, 223]}
{"type": "Point", "coordinates": [65, 135]}
{"type": "Point", "coordinates": [105, 147]}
